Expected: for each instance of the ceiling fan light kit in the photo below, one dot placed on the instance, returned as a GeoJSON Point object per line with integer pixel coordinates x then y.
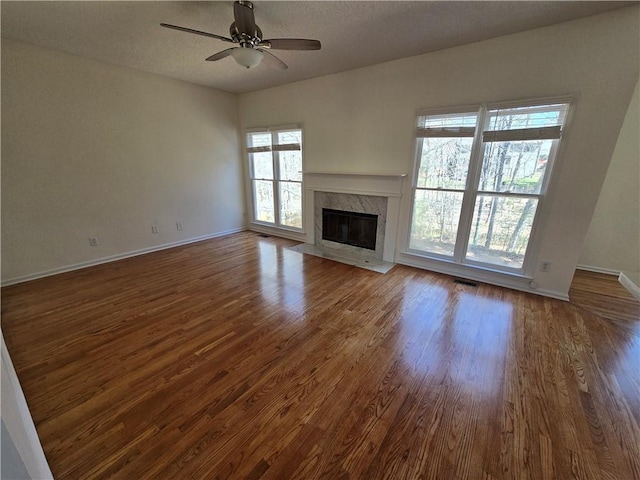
{"type": "Point", "coordinates": [247, 57]}
{"type": "Point", "coordinates": [251, 49]}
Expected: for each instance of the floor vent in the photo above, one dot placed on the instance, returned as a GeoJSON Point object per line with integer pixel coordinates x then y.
{"type": "Point", "coordinates": [462, 281]}
{"type": "Point", "coordinates": [263, 235]}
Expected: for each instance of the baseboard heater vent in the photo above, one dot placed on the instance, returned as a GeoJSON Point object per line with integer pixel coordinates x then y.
{"type": "Point", "coordinates": [462, 281]}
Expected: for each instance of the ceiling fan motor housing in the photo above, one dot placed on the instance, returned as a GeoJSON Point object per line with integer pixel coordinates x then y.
{"type": "Point", "coordinates": [245, 40]}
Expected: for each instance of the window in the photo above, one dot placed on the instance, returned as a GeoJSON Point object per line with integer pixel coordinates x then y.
{"type": "Point", "coordinates": [275, 171]}
{"type": "Point", "coordinates": [481, 174]}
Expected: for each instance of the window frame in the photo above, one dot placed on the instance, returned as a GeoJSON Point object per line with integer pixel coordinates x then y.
{"type": "Point", "coordinates": [472, 188]}
{"type": "Point", "coordinates": [277, 180]}
{"type": "Point", "coordinates": [416, 173]}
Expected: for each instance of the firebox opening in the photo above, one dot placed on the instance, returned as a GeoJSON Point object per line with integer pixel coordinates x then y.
{"type": "Point", "coordinates": [351, 228]}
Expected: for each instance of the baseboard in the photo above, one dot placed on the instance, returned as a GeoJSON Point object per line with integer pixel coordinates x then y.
{"type": "Point", "coordinates": [496, 280]}
{"type": "Point", "coordinates": [548, 293]}
{"type": "Point", "coordinates": [277, 232]}
{"type": "Point", "coordinates": [590, 268]}
{"type": "Point", "coordinates": [630, 284]}
{"type": "Point", "coordinates": [114, 258]}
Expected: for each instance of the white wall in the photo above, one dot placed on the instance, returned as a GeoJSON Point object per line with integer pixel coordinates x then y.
{"type": "Point", "coordinates": [93, 149]}
{"type": "Point", "coordinates": [363, 120]}
{"type": "Point", "coordinates": [613, 239]}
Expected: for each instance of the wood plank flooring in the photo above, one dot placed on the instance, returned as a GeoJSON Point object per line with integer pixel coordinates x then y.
{"type": "Point", "coordinates": [604, 296]}
{"type": "Point", "coordinates": [238, 358]}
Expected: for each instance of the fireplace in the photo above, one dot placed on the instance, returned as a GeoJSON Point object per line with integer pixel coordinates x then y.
{"type": "Point", "coordinates": [351, 228]}
{"type": "Point", "coordinates": [374, 194]}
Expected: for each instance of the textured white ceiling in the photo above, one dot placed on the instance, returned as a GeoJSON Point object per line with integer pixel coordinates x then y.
{"type": "Point", "coordinates": [353, 33]}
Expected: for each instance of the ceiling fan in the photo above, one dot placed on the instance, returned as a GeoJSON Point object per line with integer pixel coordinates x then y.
{"type": "Point", "coordinates": [252, 48]}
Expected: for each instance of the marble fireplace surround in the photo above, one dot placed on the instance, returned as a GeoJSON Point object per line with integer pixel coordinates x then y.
{"type": "Point", "coordinates": [326, 187]}
{"type": "Point", "coordinates": [349, 202]}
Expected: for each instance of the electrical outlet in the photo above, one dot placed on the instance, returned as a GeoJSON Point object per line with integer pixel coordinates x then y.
{"type": "Point", "coordinates": [178, 225]}
{"type": "Point", "coordinates": [544, 266]}
{"type": "Point", "coordinates": [154, 229]}
{"type": "Point", "coordinates": [93, 241]}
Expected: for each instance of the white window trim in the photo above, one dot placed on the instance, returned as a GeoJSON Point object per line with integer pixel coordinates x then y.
{"type": "Point", "coordinates": [276, 226]}
{"type": "Point", "coordinates": [458, 261]}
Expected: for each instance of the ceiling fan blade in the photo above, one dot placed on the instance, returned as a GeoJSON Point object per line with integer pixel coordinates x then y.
{"type": "Point", "coordinates": [272, 61]}
{"type": "Point", "coordinates": [245, 20]}
{"type": "Point", "coordinates": [291, 44]}
{"type": "Point", "coordinates": [220, 55]}
{"type": "Point", "coordinates": [197, 32]}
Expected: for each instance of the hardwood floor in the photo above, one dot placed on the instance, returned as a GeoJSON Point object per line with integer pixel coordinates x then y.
{"type": "Point", "coordinates": [238, 358]}
{"type": "Point", "coordinates": [604, 296]}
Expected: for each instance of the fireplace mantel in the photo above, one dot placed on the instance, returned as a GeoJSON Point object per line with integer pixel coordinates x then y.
{"type": "Point", "coordinates": [365, 183]}
{"type": "Point", "coordinates": [387, 185]}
